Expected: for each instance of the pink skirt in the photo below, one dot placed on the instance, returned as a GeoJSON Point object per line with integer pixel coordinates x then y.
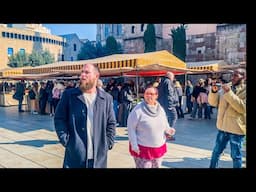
{"type": "Point", "coordinates": [149, 152]}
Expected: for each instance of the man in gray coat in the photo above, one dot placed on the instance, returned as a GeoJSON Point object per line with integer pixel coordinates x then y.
{"type": "Point", "coordinates": [168, 98]}
{"type": "Point", "coordinates": [85, 122]}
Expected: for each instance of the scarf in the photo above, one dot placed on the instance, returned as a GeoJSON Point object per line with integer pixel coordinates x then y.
{"type": "Point", "coordinates": [152, 111]}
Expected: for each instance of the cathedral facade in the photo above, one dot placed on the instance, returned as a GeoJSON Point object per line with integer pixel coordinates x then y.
{"type": "Point", "coordinates": [130, 36]}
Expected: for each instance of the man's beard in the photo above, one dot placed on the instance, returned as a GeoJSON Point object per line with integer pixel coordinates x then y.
{"type": "Point", "coordinates": [87, 86]}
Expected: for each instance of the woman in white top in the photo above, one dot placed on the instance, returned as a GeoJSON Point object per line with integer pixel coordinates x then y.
{"type": "Point", "coordinates": [148, 129]}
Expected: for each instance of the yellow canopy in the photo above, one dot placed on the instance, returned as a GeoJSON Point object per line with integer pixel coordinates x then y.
{"type": "Point", "coordinates": [207, 66]}
{"type": "Point", "coordinates": [116, 64]}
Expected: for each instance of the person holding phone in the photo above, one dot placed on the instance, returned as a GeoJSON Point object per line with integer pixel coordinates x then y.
{"type": "Point", "coordinates": [231, 117]}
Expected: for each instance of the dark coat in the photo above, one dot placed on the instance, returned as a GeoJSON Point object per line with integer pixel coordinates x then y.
{"type": "Point", "coordinates": [167, 95]}
{"type": "Point", "coordinates": [70, 125]}
{"type": "Point", "coordinates": [20, 90]}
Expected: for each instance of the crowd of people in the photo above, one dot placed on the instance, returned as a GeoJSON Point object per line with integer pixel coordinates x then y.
{"type": "Point", "coordinates": [87, 112]}
{"type": "Point", "coordinates": [41, 97]}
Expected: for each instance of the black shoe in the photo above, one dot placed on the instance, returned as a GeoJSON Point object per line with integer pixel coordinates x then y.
{"type": "Point", "coordinates": [21, 111]}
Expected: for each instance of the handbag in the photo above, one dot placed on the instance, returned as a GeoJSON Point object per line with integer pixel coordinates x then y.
{"type": "Point", "coordinates": [31, 94]}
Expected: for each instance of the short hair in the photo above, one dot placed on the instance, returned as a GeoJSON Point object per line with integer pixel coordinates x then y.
{"type": "Point", "coordinates": [95, 66]}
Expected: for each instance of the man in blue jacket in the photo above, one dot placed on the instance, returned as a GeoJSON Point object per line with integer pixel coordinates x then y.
{"type": "Point", "coordinates": [85, 122]}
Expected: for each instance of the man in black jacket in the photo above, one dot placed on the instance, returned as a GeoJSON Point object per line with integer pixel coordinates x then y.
{"type": "Point", "coordinates": [85, 122]}
{"type": "Point", "coordinates": [19, 94]}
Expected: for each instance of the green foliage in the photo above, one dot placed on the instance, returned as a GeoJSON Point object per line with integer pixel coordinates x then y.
{"type": "Point", "coordinates": [88, 51]}
{"type": "Point", "coordinates": [34, 59]}
{"type": "Point", "coordinates": [100, 51]}
{"type": "Point", "coordinates": [18, 60]}
{"type": "Point", "coordinates": [112, 47]}
{"type": "Point", "coordinates": [149, 38]}
{"type": "Point", "coordinates": [48, 57]}
{"type": "Point", "coordinates": [179, 41]}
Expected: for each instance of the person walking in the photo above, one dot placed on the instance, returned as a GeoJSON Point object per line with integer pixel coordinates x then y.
{"type": "Point", "coordinates": [188, 92]}
{"type": "Point", "coordinates": [148, 129]}
{"type": "Point", "coordinates": [231, 117]}
{"type": "Point", "coordinates": [168, 98]}
{"type": "Point", "coordinates": [179, 90]}
{"type": "Point", "coordinates": [19, 94]}
{"type": "Point", "coordinates": [85, 122]}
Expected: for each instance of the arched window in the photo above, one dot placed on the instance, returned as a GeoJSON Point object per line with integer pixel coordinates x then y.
{"type": "Point", "coordinates": [142, 27]}
{"type": "Point", "coordinates": [133, 28]}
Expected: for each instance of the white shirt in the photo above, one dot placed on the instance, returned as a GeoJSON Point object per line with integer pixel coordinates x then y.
{"type": "Point", "coordinates": [90, 101]}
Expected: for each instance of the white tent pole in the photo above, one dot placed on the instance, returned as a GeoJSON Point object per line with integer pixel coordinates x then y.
{"type": "Point", "coordinates": [137, 84]}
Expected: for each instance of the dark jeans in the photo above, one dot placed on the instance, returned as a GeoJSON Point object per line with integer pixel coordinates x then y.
{"type": "Point", "coordinates": [206, 107]}
{"type": "Point", "coordinates": [172, 116]}
{"type": "Point", "coordinates": [55, 103]}
{"type": "Point", "coordinates": [42, 105]}
{"type": "Point", "coordinates": [189, 103]}
{"type": "Point", "coordinates": [127, 107]}
{"type": "Point", "coordinates": [20, 104]}
{"type": "Point", "coordinates": [236, 143]}
{"type": "Point", "coordinates": [90, 163]}
{"type": "Point", "coordinates": [179, 109]}
{"type": "Point", "coordinates": [194, 110]}
{"type": "Point", "coordinates": [115, 106]}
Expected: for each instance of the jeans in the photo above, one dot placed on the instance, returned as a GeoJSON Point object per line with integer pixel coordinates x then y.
{"type": "Point", "coordinates": [90, 163]}
{"type": "Point", "coordinates": [189, 103]}
{"type": "Point", "coordinates": [194, 110]}
{"type": "Point", "coordinates": [20, 104]}
{"type": "Point", "coordinates": [115, 106]}
{"type": "Point", "coordinates": [172, 116]}
{"type": "Point", "coordinates": [236, 143]}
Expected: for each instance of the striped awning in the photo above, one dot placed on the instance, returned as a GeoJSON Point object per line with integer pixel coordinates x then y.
{"type": "Point", "coordinates": [12, 71]}
{"type": "Point", "coordinates": [211, 66]}
{"type": "Point", "coordinates": [117, 64]}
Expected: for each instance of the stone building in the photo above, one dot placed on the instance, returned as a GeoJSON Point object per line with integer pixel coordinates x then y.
{"type": "Point", "coordinates": [106, 30]}
{"type": "Point", "coordinates": [27, 38]}
{"type": "Point", "coordinates": [72, 48]}
{"type": "Point", "coordinates": [231, 43]}
{"type": "Point", "coordinates": [201, 47]}
{"type": "Point", "coordinates": [130, 36]}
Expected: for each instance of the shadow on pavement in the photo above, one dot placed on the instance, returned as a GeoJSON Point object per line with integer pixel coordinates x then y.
{"type": "Point", "coordinates": [34, 143]}
{"type": "Point", "coordinates": [195, 163]}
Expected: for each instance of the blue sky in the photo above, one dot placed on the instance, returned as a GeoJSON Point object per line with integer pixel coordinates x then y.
{"type": "Point", "coordinates": [84, 31]}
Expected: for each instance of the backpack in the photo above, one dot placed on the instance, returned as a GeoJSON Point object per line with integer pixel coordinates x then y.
{"type": "Point", "coordinates": [31, 94]}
